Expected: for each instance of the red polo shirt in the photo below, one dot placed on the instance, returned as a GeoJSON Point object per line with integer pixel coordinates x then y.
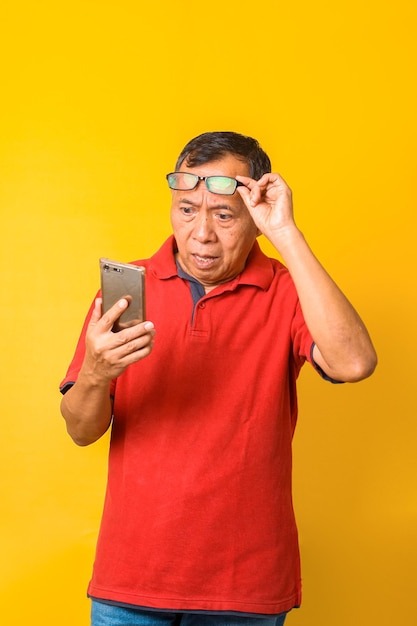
{"type": "Point", "coordinates": [198, 512]}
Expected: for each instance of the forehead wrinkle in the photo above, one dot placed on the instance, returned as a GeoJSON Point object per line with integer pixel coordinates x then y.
{"type": "Point", "coordinates": [211, 206]}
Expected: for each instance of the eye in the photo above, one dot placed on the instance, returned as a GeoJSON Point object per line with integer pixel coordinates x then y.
{"type": "Point", "coordinates": [187, 210]}
{"type": "Point", "coordinates": [224, 217]}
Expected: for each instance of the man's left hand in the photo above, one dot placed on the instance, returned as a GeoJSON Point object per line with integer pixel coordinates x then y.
{"type": "Point", "coordinates": [269, 201]}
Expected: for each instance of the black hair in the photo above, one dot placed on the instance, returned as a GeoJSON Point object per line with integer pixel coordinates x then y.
{"type": "Point", "coordinates": [213, 146]}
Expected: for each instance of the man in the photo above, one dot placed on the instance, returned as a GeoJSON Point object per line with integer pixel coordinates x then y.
{"type": "Point", "coordinates": [198, 525]}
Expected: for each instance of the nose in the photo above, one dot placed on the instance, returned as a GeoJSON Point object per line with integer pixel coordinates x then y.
{"type": "Point", "coordinates": [204, 227]}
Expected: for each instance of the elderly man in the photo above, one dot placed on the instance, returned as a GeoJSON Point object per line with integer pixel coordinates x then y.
{"type": "Point", "coordinates": [198, 524]}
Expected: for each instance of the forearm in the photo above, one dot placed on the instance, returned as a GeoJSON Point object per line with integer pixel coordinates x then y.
{"type": "Point", "coordinates": [344, 349]}
{"type": "Point", "coordinates": [87, 410]}
{"type": "Point", "coordinates": [87, 407]}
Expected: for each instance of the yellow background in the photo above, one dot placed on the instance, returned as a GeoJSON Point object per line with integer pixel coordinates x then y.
{"type": "Point", "coordinates": [97, 99]}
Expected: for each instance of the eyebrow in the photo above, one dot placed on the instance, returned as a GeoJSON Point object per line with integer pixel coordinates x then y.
{"type": "Point", "coordinates": [226, 207]}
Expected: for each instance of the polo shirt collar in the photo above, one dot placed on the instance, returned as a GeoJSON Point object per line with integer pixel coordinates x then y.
{"type": "Point", "coordinates": [258, 271]}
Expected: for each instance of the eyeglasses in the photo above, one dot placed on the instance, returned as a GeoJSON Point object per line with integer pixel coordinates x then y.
{"type": "Point", "coordinates": [184, 181]}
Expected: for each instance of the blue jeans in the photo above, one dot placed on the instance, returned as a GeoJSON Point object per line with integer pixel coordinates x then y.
{"type": "Point", "coordinates": [110, 615]}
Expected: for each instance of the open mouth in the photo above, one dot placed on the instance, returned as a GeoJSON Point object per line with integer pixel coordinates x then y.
{"type": "Point", "coordinates": [204, 261]}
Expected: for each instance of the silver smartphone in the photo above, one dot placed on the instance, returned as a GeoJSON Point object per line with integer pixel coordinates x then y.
{"type": "Point", "coordinates": [123, 280]}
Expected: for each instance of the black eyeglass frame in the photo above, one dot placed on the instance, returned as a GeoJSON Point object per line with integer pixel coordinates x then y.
{"type": "Point", "coordinates": [205, 178]}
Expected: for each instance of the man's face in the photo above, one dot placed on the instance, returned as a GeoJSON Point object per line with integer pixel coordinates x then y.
{"type": "Point", "coordinates": [214, 233]}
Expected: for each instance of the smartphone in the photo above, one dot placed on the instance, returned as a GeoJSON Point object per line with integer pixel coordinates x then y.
{"type": "Point", "coordinates": [123, 280]}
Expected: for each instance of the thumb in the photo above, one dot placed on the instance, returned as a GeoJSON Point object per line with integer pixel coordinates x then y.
{"type": "Point", "coordinates": [96, 314]}
{"type": "Point", "coordinates": [245, 194]}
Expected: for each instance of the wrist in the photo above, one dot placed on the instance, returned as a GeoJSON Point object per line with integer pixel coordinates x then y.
{"type": "Point", "coordinates": [90, 378]}
{"type": "Point", "coordinates": [287, 239]}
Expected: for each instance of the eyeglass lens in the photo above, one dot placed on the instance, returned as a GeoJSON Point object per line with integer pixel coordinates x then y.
{"type": "Point", "coordinates": [183, 181]}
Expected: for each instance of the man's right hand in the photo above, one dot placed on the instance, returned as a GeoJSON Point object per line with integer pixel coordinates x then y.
{"type": "Point", "coordinates": [109, 353]}
{"type": "Point", "coordinates": [87, 406]}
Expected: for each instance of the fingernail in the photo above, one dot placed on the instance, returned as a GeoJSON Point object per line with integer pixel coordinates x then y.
{"type": "Point", "coordinates": [148, 326]}
{"type": "Point", "coordinates": [122, 303]}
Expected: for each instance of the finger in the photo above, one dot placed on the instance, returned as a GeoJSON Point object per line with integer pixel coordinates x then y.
{"type": "Point", "coordinates": [244, 193]}
{"type": "Point", "coordinates": [114, 313]}
{"type": "Point", "coordinates": [262, 184]}
{"type": "Point", "coordinates": [247, 181]}
{"type": "Point", "coordinates": [138, 332]}
{"type": "Point", "coordinates": [137, 344]}
{"type": "Point", "coordinates": [134, 350]}
{"type": "Point", "coordinates": [253, 190]}
{"type": "Point", "coordinates": [272, 180]}
{"type": "Point", "coordinates": [259, 188]}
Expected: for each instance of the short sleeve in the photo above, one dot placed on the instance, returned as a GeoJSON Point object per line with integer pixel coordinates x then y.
{"type": "Point", "coordinates": [78, 358]}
